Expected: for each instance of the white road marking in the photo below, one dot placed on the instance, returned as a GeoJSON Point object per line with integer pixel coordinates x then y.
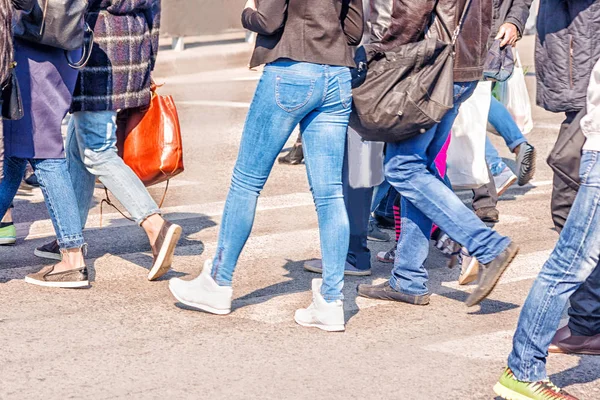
{"type": "Point", "coordinates": [211, 103]}
{"type": "Point", "coordinates": [44, 228]}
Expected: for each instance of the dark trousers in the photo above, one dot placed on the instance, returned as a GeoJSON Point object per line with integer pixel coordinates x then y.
{"type": "Point", "coordinates": [565, 158]}
{"type": "Point", "coordinates": [485, 196]}
{"type": "Point", "coordinates": [358, 207]}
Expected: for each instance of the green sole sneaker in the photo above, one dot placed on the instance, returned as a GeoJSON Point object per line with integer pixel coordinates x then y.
{"type": "Point", "coordinates": [510, 388]}
{"type": "Point", "coordinates": [8, 235]}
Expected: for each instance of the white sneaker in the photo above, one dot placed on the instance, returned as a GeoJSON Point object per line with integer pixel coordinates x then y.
{"type": "Point", "coordinates": [321, 314]}
{"type": "Point", "coordinates": [203, 292]}
{"type": "Point", "coordinates": [504, 180]}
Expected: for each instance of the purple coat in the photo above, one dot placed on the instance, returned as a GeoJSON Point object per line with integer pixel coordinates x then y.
{"type": "Point", "coordinates": [46, 83]}
{"type": "Point", "coordinates": [125, 48]}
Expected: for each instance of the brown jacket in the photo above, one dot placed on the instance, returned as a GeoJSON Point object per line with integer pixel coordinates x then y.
{"type": "Point", "coordinates": [317, 31]}
{"type": "Point", "coordinates": [410, 21]}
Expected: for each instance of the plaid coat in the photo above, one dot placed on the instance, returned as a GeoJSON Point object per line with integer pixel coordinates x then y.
{"type": "Point", "coordinates": [117, 76]}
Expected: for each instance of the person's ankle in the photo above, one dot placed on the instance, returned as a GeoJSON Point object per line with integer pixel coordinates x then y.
{"type": "Point", "coordinates": [152, 226]}
{"type": "Point", "coordinates": [71, 259]}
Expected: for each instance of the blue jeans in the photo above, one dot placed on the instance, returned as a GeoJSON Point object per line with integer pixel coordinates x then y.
{"type": "Point", "coordinates": [573, 260]}
{"type": "Point", "coordinates": [505, 125]}
{"type": "Point", "coordinates": [410, 168]}
{"type": "Point", "coordinates": [92, 152]}
{"type": "Point", "coordinates": [318, 98]}
{"type": "Point", "coordinates": [59, 195]}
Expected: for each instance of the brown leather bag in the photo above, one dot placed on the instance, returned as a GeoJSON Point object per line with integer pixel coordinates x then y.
{"type": "Point", "coordinates": [149, 140]}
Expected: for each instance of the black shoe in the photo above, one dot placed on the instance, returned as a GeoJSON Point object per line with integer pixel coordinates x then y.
{"type": "Point", "coordinates": [384, 291]}
{"type": "Point", "coordinates": [526, 158]}
{"type": "Point", "coordinates": [32, 180]}
{"type": "Point", "coordinates": [488, 214]}
{"type": "Point", "coordinates": [375, 234]}
{"type": "Point", "coordinates": [294, 157]}
{"type": "Point", "coordinates": [50, 251]}
{"type": "Point", "coordinates": [490, 274]}
{"type": "Point", "coordinates": [385, 222]}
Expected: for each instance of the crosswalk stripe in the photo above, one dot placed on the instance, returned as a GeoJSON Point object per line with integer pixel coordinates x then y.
{"type": "Point", "coordinates": [44, 228]}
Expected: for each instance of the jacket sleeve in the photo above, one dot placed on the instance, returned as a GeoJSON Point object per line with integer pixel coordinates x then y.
{"type": "Point", "coordinates": [380, 18]}
{"type": "Point", "coordinates": [25, 5]}
{"type": "Point", "coordinates": [353, 21]}
{"type": "Point", "coordinates": [153, 15]}
{"type": "Point", "coordinates": [267, 19]}
{"type": "Point", "coordinates": [518, 14]}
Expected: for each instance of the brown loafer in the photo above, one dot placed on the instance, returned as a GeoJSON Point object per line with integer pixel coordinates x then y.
{"type": "Point", "coordinates": [73, 278]}
{"type": "Point", "coordinates": [566, 343]}
{"type": "Point", "coordinates": [163, 250]}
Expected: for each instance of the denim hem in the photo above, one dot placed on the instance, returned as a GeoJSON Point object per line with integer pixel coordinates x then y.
{"type": "Point", "coordinates": [526, 374]}
{"type": "Point", "coordinates": [331, 299]}
{"type": "Point", "coordinates": [512, 146]}
{"type": "Point", "coordinates": [71, 242]}
{"type": "Point", "coordinates": [147, 215]}
{"type": "Point", "coordinates": [396, 286]}
{"type": "Point", "coordinates": [489, 258]}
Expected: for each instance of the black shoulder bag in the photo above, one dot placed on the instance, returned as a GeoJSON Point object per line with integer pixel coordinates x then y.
{"type": "Point", "coordinates": [57, 23]}
{"type": "Point", "coordinates": [407, 90]}
{"type": "Point", "coordinates": [12, 104]}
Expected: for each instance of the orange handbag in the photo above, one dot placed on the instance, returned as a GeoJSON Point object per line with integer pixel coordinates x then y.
{"type": "Point", "coordinates": [149, 140]}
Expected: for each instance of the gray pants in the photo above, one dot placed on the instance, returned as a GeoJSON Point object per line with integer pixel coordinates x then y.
{"type": "Point", "coordinates": [565, 159]}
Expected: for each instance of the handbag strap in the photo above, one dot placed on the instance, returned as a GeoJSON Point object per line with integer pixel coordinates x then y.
{"type": "Point", "coordinates": [109, 202]}
{"type": "Point", "coordinates": [460, 22]}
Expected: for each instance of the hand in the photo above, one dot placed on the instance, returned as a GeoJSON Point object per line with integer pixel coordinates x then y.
{"type": "Point", "coordinates": [508, 33]}
{"type": "Point", "coordinates": [251, 4]}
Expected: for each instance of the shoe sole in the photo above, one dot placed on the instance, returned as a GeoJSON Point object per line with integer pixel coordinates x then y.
{"type": "Point", "coordinates": [165, 256]}
{"type": "Point", "coordinates": [470, 274]}
{"type": "Point", "coordinates": [506, 185]}
{"type": "Point", "coordinates": [524, 178]}
{"type": "Point", "coordinates": [487, 292]}
{"type": "Point", "coordinates": [385, 260]}
{"type": "Point", "coordinates": [7, 242]}
{"type": "Point", "coordinates": [63, 285]}
{"type": "Point", "coordinates": [327, 328]}
{"type": "Point", "coordinates": [47, 255]}
{"type": "Point", "coordinates": [200, 307]}
{"type": "Point", "coordinates": [412, 303]}
{"type": "Point", "coordinates": [557, 350]}
{"type": "Point", "coordinates": [346, 273]}
{"type": "Point", "coordinates": [508, 394]}
{"type": "Point", "coordinates": [374, 239]}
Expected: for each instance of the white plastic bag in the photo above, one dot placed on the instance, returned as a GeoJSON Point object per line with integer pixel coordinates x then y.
{"type": "Point", "coordinates": [514, 95]}
{"type": "Point", "coordinates": [467, 168]}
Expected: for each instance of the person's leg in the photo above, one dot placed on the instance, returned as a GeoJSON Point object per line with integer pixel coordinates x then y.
{"type": "Point", "coordinates": [13, 173]}
{"type": "Point", "coordinates": [324, 135]}
{"type": "Point", "coordinates": [267, 128]}
{"type": "Point", "coordinates": [97, 141]}
{"type": "Point", "coordinates": [358, 208]}
{"type": "Point", "coordinates": [493, 159]}
{"type": "Point", "coordinates": [505, 125]}
{"type": "Point", "coordinates": [82, 180]}
{"type": "Point", "coordinates": [425, 198]}
{"type": "Point", "coordinates": [584, 313]}
{"type": "Point", "coordinates": [573, 260]}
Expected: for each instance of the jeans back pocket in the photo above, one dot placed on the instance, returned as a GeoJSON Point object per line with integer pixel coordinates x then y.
{"type": "Point", "coordinates": [292, 92]}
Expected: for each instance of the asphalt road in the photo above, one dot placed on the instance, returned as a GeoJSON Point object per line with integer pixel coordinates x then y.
{"type": "Point", "coordinates": [126, 338]}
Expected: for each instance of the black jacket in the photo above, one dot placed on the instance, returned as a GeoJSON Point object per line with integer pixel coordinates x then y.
{"type": "Point", "coordinates": [317, 31]}
{"type": "Point", "coordinates": [567, 47]}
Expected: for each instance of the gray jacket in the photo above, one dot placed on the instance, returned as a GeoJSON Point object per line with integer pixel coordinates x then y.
{"type": "Point", "coordinates": [567, 47]}
{"type": "Point", "coordinates": [514, 11]}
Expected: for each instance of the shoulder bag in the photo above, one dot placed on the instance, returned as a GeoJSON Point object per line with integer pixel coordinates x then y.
{"type": "Point", "coordinates": [57, 23]}
{"type": "Point", "coordinates": [12, 103]}
{"type": "Point", "coordinates": [407, 90]}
